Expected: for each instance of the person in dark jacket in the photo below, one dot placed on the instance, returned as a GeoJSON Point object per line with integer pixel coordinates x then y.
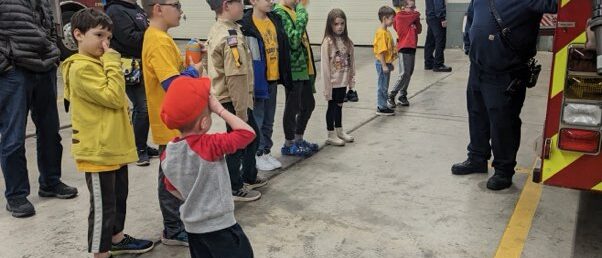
{"type": "Point", "coordinates": [130, 22]}
{"type": "Point", "coordinates": [28, 62]}
{"type": "Point", "coordinates": [271, 67]}
{"type": "Point", "coordinates": [436, 36]}
{"type": "Point", "coordinates": [494, 104]}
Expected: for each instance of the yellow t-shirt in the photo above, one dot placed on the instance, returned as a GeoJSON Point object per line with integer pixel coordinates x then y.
{"type": "Point", "coordinates": [270, 41]}
{"type": "Point", "coordinates": [161, 60]}
{"type": "Point", "coordinates": [84, 166]}
{"type": "Point", "coordinates": [383, 43]}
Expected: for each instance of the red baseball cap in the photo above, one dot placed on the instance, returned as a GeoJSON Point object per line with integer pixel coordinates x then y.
{"type": "Point", "coordinates": [185, 100]}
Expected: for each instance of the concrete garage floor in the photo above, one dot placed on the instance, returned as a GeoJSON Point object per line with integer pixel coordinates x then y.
{"type": "Point", "coordinates": [389, 194]}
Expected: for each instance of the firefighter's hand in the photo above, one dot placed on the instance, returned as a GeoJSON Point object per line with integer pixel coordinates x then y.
{"type": "Point", "coordinates": [444, 23]}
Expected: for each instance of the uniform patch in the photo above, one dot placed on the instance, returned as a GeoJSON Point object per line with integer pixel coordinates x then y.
{"type": "Point", "coordinates": [491, 37]}
{"type": "Point", "coordinates": [232, 41]}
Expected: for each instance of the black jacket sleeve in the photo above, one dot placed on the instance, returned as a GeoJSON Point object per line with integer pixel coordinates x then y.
{"type": "Point", "coordinates": [467, 25]}
{"type": "Point", "coordinates": [125, 30]}
{"type": "Point", "coordinates": [440, 9]}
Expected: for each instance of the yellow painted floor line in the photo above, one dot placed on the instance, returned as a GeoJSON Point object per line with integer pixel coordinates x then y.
{"type": "Point", "coordinates": [513, 241]}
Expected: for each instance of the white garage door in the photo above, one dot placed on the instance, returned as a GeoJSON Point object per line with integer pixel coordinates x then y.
{"type": "Point", "coordinates": [362, 19]}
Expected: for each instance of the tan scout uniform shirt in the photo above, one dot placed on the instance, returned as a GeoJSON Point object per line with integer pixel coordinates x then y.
{"type": "Point", "coordinates": [230, 66]}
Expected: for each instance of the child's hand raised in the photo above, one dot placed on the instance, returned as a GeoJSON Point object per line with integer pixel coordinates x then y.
{"type": "Point", "coordinates": [106, 48]}
{"type": "Point", "coordinates": [215, 106]}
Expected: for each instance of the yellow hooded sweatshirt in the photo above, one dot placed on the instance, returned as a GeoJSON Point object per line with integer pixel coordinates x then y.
{"type": "Point", "coordinates": [102, 133]}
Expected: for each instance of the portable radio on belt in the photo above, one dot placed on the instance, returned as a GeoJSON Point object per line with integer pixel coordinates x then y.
{"type": "Point", "coordinates": [233, 43]}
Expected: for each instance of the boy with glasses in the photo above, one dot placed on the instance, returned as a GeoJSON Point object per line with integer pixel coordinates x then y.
{"type": "Point", "coordinates": [161, 64]}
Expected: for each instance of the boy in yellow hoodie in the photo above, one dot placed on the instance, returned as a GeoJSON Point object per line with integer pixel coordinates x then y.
{"type": "Point", "coordinates": [103, 138]}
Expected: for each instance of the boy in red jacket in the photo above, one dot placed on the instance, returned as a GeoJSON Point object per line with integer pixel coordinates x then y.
{"type": "Point", "coordinates": [407, 24]}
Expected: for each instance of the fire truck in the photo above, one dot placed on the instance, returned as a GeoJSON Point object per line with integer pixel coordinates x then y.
{"type": "Point", "coordinates": [570, 150]}
{"type": "Point", "coordinates": [63, 10]}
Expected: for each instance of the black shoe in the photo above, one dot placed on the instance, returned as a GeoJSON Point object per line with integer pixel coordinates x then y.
{"type": "Point", "coordinates": [152, 152]}
{"type": "Point", "coordinates": [498, 182]}
{"type": "Point", "coordinates": [143, 159]}
{"type": "Point", "coordinates": [391, 102]}
{"type": "Point", "coordinates": [20, 208]}
{"type": "Point", "coordinates": [385, 112]}
{"type": "Point", "coordinates": [403, 101]}
{"type": "Point", "coordinates": [130, 245]}
{"type": "Point", "coordinates": [60, 190]}
{"type": "Point", "coordinates": [352, 96]}
{"type": "Point", "coordinates": [442, 69]}
{"type": "Point", "coordinates": [426, 67]}
{"type": "Point", "coordinates": [469, 167]}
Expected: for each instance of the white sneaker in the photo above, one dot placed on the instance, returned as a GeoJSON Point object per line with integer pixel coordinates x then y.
{"type": "Point", "coordinates": [262, 163]}
{"type": "Point", "coordinates": [273, 160]}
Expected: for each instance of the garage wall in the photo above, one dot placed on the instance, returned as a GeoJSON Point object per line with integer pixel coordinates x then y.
{"type": "Point", "coordinates": [362, 19]}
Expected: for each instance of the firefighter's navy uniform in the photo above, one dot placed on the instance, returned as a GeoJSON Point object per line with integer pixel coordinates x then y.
{"type": "Point", "coordinates": [494, 108]}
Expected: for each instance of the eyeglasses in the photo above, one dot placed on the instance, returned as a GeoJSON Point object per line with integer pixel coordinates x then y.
{"type": "Point", "coordinates": [177, 5]}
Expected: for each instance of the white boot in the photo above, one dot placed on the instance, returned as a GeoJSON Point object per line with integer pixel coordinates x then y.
{"type": "Point", "coordinates": [334, 140]}
{"type": "Point", "coordinates": [344, 136]}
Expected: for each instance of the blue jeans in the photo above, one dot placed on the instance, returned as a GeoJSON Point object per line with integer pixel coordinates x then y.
{"type": "Point", "coordinates": [22, 90]}
{"type": "Point", "coordinates": [137, 95]}
{"type": "Point", "coordinates": [383, 85]}
{"type": "Point", "coordinates": [264, 111]}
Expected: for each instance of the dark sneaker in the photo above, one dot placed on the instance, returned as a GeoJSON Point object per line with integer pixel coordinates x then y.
{"type": "Point", "coordinates": [308, 145]}
{"type": "Point", "coordinates": [426, 67]}
{"type": "Point", "coordinates": [20, 208]}
{"type": "Point", "coordinates": [130, 245]}
{"type": "Point", "coordinates": [143, 159]}
{"type": "Point", "coordinates": [442, 69]}
{"type": "Point", "coordinates": [60, 190]}
{"type": "Point", "coordinates": [259, 182]}
{"type": "Point", "coordinates": [391, 101]}
{"type": "Point", "coordinates": [498, 182]}
{"type": "Point", "coordinates": [352, 96]}
{"type": "Point", "coordinates": [403, 101]}
{"type": "Point", "coordinates": [180, 239]}
{"type": "Point", "coordinates": [245, 195]}
{"type": "Point", "coordinates": [385, 112]}
{"type": "Point", "coordinates": [469, 167]}
{"type": "Point", "coordinates": [295, 150]}
{"type": "Point", "coordinates": [152, 152]}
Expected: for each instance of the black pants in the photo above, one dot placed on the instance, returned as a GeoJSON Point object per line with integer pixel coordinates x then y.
{"type": "Point", "coordinates": [169, 205]}
{"type": "Point", "coordinates": [136, 94]}
{"type": "Point", "coordinates": [300, 103]}
{"type": "Point", "coordinates": [435, 43]}
{"type": "Point", "coordinates": [334, 113]}
{"type": "Point", "coordinates": [494, 116]}
{"type": "Point", "coordinates": [108, 204]}
{"type": "Point", "coordinates": [226, 243]}
{"type": "Point", "coordinates": [244, 157]}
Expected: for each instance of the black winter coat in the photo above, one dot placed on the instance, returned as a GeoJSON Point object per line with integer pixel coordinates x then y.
{"type": "Point", "coordinates": [129, 24]}
{"type": "Point", "coordinates": [27, 35]}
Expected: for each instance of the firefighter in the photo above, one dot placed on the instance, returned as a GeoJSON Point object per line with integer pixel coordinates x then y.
{"type": "Point", "coordinates": [500, 39]}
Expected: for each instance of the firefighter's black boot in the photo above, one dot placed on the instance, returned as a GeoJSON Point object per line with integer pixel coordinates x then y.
{"type": "Point", "coordinates": [498, 182]}
{"type": "Point", "coordinates": [469, 167]}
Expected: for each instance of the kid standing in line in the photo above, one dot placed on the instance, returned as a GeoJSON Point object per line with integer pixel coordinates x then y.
{"type": "Point", "coordinates": [407, 24]}
{"type": "Point", "coordinates": [161, 64]}
{"type": "Point", "coordinates": [231, 70]}
{"type": "Point", "coordinates": [195, 170]}
{"type": "Point", "coordinates": [271, 66]}
{"type": "Point", "coordinates": [300, 102]}
{"type": "Point", "coordinates": [338, 72]}
{"type": "Point", "coordinates": [384, 51]}
{"type": "Point", "coordinates": [103, 138]}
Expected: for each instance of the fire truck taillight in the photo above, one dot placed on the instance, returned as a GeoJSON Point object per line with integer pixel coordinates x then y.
{"type": "Point", "coordinates": [582, 114]}
{"type": "Point", "coordinates": [579, 140]}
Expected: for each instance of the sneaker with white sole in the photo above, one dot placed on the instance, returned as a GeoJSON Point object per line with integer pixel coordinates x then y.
{"type": "Point", "coordinates": [259, 182]}
{"type": "Point", "coordinates": [245, 195]}
{"type": "Point", "coordinates": [262, 163]}
{"type": "Point", "coordinates": [273, 160]}
{"type": "Point", "coordinates": [180, 239]}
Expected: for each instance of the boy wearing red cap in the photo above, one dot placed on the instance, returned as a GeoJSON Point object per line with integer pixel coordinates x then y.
{"type": "Point", "coordinates": [196, 171]}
